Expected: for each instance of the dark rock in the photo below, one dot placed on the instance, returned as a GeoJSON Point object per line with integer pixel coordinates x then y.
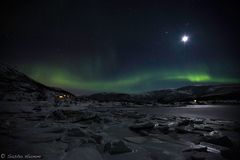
{"type": "Point", "coordinates": [98, 138]}
{"type": "Point", "coordinates": [203, 156]}
{"type": "Point", "coordinates": [203, 127]}
{"type": "Point", "coordinates": [137, 140]}
{"type": "Point", "coordinates": [198, 121]}
{"type": "Point", "coordinates": [163, 129]}
{"type": "Point", "coordinates": [134, 115]}
{"type": "Point", "coordinates": [84, 153]}
{"type": "Point", "coordinates": [91, 140]}
{"type": "Point", "coordinates": [142, 126]}
{"type": "Point", "coordinates": [197, 157]}
{"type": "Point", "coordinates": [107, 120]}
{"type": "Point", "coordinates": [34, 118]}
{"type": "Point", "coordinates": [85, 116]}
{"type": "Point", "coordinates": [58, 115]}
{"type": "Point", "coordinates": [44, 125]}
{"type": "Point", "coordinates": [213, 148]}
{"type": "Point", "coordinates": [217, 138]}
{"type": "Point", "coordinates": [76, 132]}
{"type": "Point", "coordinates": [185, 122]}
{"type": "Point", "coordinates": [54, 130]}
{"type": "Point", "coordinates": [232, 153]}
{"type": "Point", "coordinates": [184, 129]}
{"type": "Point", "coordinates": [143, 133]}
{"type": "Point", "coordinates": [73, 143]}
{"type": "Point", "coordinates": [73, 140]}
{"type": "Point", "coordinates": [116, 147]}
{"type": "Point", "coordinates": [74, 116]}
{"type": "Point", "coordinates": [37, 108]}
{"type": "Point", "coordinates": [43, 138]}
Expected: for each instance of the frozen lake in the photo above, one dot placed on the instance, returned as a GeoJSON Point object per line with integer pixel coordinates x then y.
{"type": "Point", "coordinates": [221, 112]}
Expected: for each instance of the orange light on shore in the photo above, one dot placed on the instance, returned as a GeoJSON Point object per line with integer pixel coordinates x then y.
{"type": "Point", "coordinates": [60, 97]}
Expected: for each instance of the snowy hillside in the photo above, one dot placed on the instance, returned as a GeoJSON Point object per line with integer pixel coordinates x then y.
{"type": "Point", "coordinates": [16, 86]}
{"type": "Point", "coordinates": [184, 94]}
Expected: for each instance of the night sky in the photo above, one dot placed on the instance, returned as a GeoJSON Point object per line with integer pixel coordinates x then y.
{"type": "Point", "coordinates": [122, 46]}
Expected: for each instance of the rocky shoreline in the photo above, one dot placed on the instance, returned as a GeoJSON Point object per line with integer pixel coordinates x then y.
{"type": "Point", "coordinates": [91, 133]}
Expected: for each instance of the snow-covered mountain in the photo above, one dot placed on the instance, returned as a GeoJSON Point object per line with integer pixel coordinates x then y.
{"type": "Point", "coordinates": [214, 92]}
{"type": "Point", "coordinates": [16, 86]}
{"type": "Point", "coordinates": [183, 94]}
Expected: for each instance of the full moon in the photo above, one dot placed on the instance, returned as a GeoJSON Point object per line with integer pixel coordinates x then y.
{"type": "Point", "coordinates": [185, 38]}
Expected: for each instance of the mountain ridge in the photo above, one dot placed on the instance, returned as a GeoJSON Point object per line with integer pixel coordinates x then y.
{"type": "Point", "coordinates": [181, 94]}
{"type": "Point", "coordinates": [16, 86]}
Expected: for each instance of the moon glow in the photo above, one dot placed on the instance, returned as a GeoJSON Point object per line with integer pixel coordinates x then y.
{"type": "Point", "coordinates": [185, 38]}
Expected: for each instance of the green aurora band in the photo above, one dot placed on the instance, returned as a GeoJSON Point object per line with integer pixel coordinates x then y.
{"type": "Point", "coordinates": [127, 83]}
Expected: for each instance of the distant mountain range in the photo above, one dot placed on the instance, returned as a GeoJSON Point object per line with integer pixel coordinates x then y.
{"type": "Point", "coordinates": [16, 86]}
{"type": "Point", "coordinates": [197, 94]}
{"type": "Point", "coordinates": [230, 92]}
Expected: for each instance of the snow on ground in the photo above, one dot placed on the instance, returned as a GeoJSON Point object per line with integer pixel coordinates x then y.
{"type": "Point", "coordinates": [107, 131]}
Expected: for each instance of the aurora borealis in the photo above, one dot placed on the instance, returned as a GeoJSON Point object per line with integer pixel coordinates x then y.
{"type": "Point", "coordinates": [131, 83]}
{"type": "Point", "coordinates": [122, 46]}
